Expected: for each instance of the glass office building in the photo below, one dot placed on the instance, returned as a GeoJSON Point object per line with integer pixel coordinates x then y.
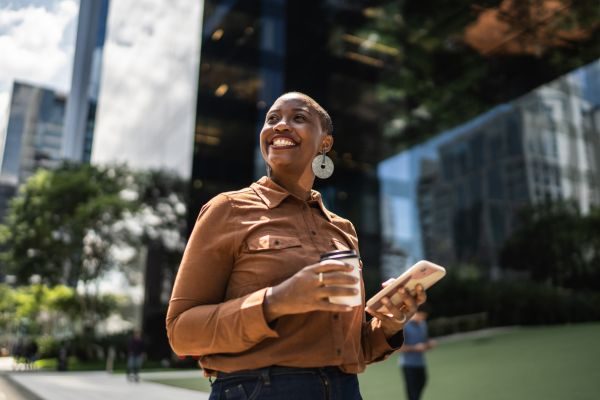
{"type": "Point", "coordinates": [34, 132]}
{"type": "Point", "coordinates": [440, 133]}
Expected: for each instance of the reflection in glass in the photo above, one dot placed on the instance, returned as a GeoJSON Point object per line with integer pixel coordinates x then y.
{"type": "Point", "coordinates": [467, 185]}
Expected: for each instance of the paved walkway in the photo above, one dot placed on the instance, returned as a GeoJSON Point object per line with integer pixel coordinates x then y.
{"type": "Point", "coordinates": [99, 385]}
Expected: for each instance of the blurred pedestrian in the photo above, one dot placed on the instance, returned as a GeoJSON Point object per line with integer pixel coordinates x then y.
{"type": "Point", "coordinates": [135, 356]}
{"type": "Point", "coordinates": [63, 357]}
{"type": "Point", "coordinates": [412, 357]}
{"type": "Point", "coordinates": [17, 352]}
{"type": "Point", "coordinates": [31, 354]}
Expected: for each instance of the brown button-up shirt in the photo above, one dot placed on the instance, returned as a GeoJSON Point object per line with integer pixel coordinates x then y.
{"type": "Point", "coordinates": [243, 243]}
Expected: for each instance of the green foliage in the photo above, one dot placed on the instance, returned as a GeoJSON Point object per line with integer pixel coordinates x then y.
{"type": "Point", "coordinates": [42, 310]}
{"type": "Point", "coordinates": [511, 302]}
{"type": "Point", "coordinates": [8, 307]}
{"type": "Point", "coordinates": [48, 346]}
{"type": "Point", "coordinates": [57, 226]}
{"type": "Point", "coordinates": [558, 245]}
{"type": "Point", "coordinates": [436, 80]}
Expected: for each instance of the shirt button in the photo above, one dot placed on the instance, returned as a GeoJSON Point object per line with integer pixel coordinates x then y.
{"type": "Point", "coordinates": [313, 232]}
{"type": "Point", "coordinates": [336, 316]}
{"type": "Point", "coordinates": [339, 352]}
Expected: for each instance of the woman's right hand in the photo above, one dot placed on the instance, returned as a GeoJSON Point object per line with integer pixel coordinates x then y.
{"type": "Point", "coordinates": [304, 291]}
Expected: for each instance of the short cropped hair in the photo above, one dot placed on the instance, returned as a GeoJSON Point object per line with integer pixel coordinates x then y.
{"type": "Point", "coordinates": [326, 122]}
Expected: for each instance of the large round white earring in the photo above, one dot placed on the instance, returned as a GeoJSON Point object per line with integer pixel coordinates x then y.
{"type": "Point", "coordinates": [322, 166]}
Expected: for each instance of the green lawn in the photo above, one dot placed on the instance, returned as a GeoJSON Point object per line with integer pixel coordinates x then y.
{"type": "Point", "coordinates": [550, 363]}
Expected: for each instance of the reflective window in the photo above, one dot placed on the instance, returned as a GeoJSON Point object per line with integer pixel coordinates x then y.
{"type": "Point", "coordinates": [448, 116]}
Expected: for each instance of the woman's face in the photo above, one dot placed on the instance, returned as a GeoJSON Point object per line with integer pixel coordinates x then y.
{"type": "Point", "coordinates": [292, 136]}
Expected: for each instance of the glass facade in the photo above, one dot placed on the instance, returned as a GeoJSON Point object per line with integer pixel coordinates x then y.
{"type": "Point", "coordinates": [467, 185]}
{"type": "Point", "coordinates": [34, 131]}
{"type": "Point", "coordinates": [79, 118]}
{"type": "Point", "coordinates": [441, 133]}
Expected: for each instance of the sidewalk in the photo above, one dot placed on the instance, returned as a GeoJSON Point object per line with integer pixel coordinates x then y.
{"type": "Point", "coordinates": [99, 385]}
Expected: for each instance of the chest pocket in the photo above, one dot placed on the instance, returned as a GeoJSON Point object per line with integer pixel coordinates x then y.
{"type": "Point", "coordinates": [271, 242]}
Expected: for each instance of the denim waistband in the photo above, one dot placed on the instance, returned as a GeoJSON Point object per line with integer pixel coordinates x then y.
{"type": "Point", "coordinates": [267, 372]}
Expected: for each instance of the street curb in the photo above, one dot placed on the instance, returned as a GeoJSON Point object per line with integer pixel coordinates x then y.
{"type": "Point", "coordinates": [21, 388]}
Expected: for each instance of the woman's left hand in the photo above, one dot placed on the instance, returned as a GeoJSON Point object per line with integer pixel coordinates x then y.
{"type": "Point", "coordinates": [398, 309]}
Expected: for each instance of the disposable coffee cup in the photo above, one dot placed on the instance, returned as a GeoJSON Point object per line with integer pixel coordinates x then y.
{"type": "Point", "coordinates": [351, 258]}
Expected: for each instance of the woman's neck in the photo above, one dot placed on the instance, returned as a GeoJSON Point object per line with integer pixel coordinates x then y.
{"type": "Point", "coordinates": [300, 188]}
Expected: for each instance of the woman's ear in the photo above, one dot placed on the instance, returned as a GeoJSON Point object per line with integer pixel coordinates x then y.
{"type": "Point", "coordinates": [327, 143]}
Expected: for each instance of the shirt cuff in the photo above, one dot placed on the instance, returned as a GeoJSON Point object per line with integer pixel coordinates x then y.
{"type": "Point", "coordinates": [397, 340]}
{"type": "Point", "coordinates": [253, 318]}
{"type": "Point", "coordinates": [381, 346]}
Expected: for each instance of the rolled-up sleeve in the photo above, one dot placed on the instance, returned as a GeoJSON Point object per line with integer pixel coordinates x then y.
{"type": "Point", "coordinates": [199, 321]}
{"type": "Point", "coordinates": [375, 345]}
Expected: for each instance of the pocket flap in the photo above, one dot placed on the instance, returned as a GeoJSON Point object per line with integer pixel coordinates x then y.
{"type": "Point", "coordinates": [272, 242]}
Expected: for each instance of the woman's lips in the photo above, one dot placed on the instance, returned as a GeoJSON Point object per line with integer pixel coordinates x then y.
{"type": "Point", "coordinates": [282, 143]}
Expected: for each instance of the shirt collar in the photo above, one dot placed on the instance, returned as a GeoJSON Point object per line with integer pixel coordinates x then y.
{"type": "Point", "coordinates": [272, 195]}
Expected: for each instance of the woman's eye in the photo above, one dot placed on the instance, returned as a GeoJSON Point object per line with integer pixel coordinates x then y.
{"type": "Point", "coordinates": [300, 117]}
{"type": "Point", "coordinates": [271, 118]}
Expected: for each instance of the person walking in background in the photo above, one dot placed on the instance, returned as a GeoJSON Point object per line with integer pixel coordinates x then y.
{"type": "Point", "coordinates": [412, 357]}
{"type": "Point", "coordinates": [31, 354]}
{"type": "Point", "coordinates": [135, 356]}
{"type": "Point", "coordinates": [251, 297]}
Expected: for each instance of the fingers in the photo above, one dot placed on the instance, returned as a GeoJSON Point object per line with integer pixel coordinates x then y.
{"type": "Point", "coordinates": [397, 313]}
{"type": "Point", "coordinates": [329, 266]}
{"type": "Point", "coordinates": [335, 278]}
{"type": "Point", "coordinates": [325, 305]}
{"type": "Point", "coordinates": [421, 294]}
{"type": "Point", "coordinates": [402, 305]}
{"type": "Point", "coordinates": [377, 314]}
{"type": "Point", "coordinates": [329, 291]}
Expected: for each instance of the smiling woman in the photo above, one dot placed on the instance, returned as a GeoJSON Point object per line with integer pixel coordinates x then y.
{"type": "Point", "coordinates": [295, 131]}
{"type": "Point", "coordinates": [251, 297]}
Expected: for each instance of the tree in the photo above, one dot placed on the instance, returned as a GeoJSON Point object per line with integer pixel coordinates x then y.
{"type": "Point", "coordinates": [558, 245]}
{"type": "Point", "coordinates": [159, 226]}
{"type": "Point", "coordinates": [59, 224]}
{"type": "Point", "coordinates": [443, 63]}
{"type": "Point", "coordinates": [38, 309]}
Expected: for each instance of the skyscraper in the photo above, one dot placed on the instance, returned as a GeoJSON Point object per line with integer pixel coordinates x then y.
{"type": "Point", "coordinates": [85, 83]}
{"type": "Point", "coordinates": [34, 132]}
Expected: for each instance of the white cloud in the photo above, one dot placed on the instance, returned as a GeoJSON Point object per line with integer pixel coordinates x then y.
{"type": "Point", "coordinates": [37, 42]}
{"type": "Point", "coordinates": [146, 109]}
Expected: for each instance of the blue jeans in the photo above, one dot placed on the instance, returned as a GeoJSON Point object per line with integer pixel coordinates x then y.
{"type": "Point", "coordinates": [275, 383]}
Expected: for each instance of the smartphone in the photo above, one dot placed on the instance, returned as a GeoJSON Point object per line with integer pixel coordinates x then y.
{"type": "Point", "coordinates": [423, 272]}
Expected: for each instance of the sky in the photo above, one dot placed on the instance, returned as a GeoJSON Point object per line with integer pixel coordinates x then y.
{"type": "Point", "coordinates": [146, 106]}
{"type": "Point", "coordinates": [147, 103]}
{"type": "Point", "coordinates": [37, 43]}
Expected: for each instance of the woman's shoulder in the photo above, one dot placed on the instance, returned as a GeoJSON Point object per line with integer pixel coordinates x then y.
{"type": "Point", "coordinates": [233, 198]}
{"type": "Point", "coordinates": [341, 222]}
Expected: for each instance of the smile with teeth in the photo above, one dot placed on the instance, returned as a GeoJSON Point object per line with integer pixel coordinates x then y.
{"type": "Point", "coordinates": [282, 142]}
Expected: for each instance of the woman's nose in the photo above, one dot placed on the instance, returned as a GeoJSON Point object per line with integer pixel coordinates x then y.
{"type": "Point", "coordinates": [281, 126]}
